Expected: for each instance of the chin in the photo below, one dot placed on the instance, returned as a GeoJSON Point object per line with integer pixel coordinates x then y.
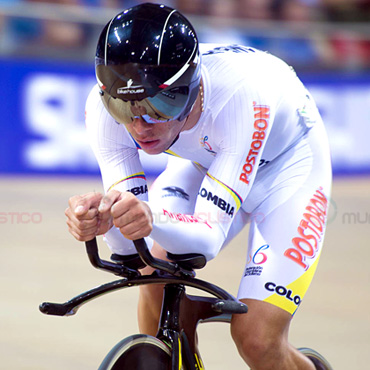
{"type": "Point", "coordinates": [153, 151]}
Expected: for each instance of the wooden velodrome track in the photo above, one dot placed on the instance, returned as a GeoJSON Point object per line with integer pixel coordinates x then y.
{"type": "Point", "coordinates": [41, 262]}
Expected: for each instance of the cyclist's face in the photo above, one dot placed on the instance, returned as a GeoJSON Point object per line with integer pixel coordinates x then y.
{"type": "Point", "coordinates": [154, 138]}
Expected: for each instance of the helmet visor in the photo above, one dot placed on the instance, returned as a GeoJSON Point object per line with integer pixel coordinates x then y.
{"type": "Point", "coordinates": [163, 107]}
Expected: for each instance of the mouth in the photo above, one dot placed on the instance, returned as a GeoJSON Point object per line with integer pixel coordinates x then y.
{"type": "Point", "coordinates": [148, 144]}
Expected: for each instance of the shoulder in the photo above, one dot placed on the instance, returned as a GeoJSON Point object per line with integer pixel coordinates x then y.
{"type": "Point", "coordinates": [230, 76]}
{"type": "Point", "coordinates": [244, 61]}
{"type": "Point", "coordinates": [243, 72]}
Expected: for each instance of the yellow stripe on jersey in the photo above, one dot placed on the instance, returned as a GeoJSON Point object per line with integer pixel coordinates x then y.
{"type": "Point", "coordinates": [170, 152]}
{"type": "Point", "coordinates": [238, 200]}
{"type": "Point", "coordinates": [288, 297]}
{"type": "Point", "coordinates": [139, 175]}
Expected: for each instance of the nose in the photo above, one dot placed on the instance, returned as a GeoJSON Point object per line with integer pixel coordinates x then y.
{"type": "Point", "coordinates": [140, 126]}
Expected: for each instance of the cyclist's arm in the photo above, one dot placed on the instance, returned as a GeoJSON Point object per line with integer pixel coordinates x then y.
{"type": "Point", "coordinates": [118, 161]}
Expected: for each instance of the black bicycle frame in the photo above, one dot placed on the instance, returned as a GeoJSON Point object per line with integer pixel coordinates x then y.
{"type": "Point", "coordinates": [181, 312]}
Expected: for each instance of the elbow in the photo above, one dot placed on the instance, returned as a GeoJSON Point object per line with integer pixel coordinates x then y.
{"type": "Point", "coordinates": [210, 254]}
{"type": "Point", "coordinates": [210, 248]}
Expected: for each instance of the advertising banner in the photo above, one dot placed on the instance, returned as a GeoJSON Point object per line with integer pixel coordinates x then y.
{"type": "Point", "coordinates": [43, 130]}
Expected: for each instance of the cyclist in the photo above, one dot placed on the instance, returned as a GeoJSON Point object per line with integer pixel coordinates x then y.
{"type": "Point", "coordinates": [246, 144]}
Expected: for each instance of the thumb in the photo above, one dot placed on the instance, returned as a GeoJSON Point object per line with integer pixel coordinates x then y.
{"type": "Point", "coordinates": [82, 204]}
{"type": "Point", "coordinates": [108, 200]}
{"type": "Point", "coordinates": [80, 210]}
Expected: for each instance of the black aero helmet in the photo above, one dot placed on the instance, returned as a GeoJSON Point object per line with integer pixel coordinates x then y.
{"type": "Point", "coordinates": [148, 65]}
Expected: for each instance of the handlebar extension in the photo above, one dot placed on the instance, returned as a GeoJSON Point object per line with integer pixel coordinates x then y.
{"type": "Point", "coordinates": [145, 255]}
{"type": "Point", "coordinates": [97, 262]}
{"type": "Point", "coordinates": [229, 307]}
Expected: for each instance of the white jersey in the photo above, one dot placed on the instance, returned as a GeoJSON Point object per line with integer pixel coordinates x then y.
{"type": "Point", "coordinates": [255, 108]}
{"type": "Point", "coordinates": [258, 153]}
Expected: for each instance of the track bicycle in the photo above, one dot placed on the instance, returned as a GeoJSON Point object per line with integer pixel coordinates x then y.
{"type": "Point", "coordinates": [175, 346]}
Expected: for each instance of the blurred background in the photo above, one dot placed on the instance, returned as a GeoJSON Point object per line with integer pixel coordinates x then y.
{"type": "Point", "coordinates": [46, 72]}
{"type": "Point", "coordinates": [47, 68]}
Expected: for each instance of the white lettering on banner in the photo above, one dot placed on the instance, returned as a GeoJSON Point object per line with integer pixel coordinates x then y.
{"type": "Point", "coordinates": [54, 111]}
{"type": "Point", "coordinates": [54, 107]}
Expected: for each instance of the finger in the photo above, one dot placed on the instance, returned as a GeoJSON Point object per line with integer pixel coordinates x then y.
{"type": "Point", "coordinates": [84, 224]}
{"type": "Point", "coordinates": [108, 200]}
{"type": "Point", "coordinates": [80, 204]}
{"type": "Point", "coordinates": [137, 230]}
{"type": "Point", "coordinates": [91, 214]}
{"type": "Point", "coordinates": [82, 234]}
{"type": "Point", "coordinates": [105, 216]}
{"type": "Point", "coordinates": [104, 226]}
{"type": "Point", "coordinates": [81, 238]}
{"type": "Point", "coordinates": [133, 221]}
{"type": "Point", "coordinates": [80, 210]}
{"type": "Point", "coordinates": [126, 218]}
{"type": "Point", "coordinates": [84, 227]}
{"type": "Point", "coordinates": [126, 202]}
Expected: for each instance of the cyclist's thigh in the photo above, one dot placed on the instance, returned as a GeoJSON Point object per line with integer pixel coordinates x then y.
{"type": "Point", "coordinates": [176, 188]}
{"type": "Point", "coordinates": [288, 223]}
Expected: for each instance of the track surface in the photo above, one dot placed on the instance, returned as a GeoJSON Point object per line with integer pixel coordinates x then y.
{"type": "Point", "coordinates": [40, 261]}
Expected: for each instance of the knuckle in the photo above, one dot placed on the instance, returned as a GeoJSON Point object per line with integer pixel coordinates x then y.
{"type": "Point", "coordinates": [130, 198]}
{"type": "Point", "coordinates": [74, 199]}
{"type": "Point", "coordinates": [70, 225]}
{"type": "Point", "coordinates": [81, 224]}
{"type": "Point", "coordinates": [115, 212]}
{"type": "Point", "coordinates": [92, 212]}
{"type": "Point", "coordinates": [81, 238]}
{"type": "Point", "coordinates": [117, 222]}
{"type": "Point", "coordinates": [136, 214]}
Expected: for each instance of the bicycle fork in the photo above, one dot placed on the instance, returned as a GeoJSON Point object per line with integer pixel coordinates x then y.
{"type": "Point", "coordinates": [177, 329]}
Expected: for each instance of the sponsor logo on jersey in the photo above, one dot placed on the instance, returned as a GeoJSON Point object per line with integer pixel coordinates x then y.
{"type": "Point", "coordinates": [174, 191]}
{"type": "Point", "coordinates": [204, 143]}
{"type": "Point", "coordinates": [258, 257]}
{"type": "Point", "coordinates": [131, 89]}
{"type": "Point", "coordinates": [261, 122]}
{"type": "Point", "coordinates": [139, 190]}
{"type": "Point", "coordinates": [217, 201]}
{"type": "Point", "coordinates": [284, 292]}
{"type": "Point", "coordinates": [253, 271]}
{"type": "Point", "coordinates": [263, 162]}
{"type": "Point", "coordinates": [310, 231]}
{"type": "Point", "coordinates": [232, 48]}
{"type": "Point", "coordinates": [186, 218]}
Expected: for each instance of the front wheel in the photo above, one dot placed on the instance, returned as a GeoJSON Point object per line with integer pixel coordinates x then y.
{"type": "Point", "coordinates": [318, 360]}
{"type": "Point", "coordinates": [138, 352]}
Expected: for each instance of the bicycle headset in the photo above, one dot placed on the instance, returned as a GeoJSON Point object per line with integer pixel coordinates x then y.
{"type": "Point", "coordinates": [147, 65]}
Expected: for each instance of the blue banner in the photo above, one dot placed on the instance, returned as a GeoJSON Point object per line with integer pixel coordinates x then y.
{"type": "Point", "coordinates": [43, 131]}
{"type": "Point", "coordinates": [42, 112]}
